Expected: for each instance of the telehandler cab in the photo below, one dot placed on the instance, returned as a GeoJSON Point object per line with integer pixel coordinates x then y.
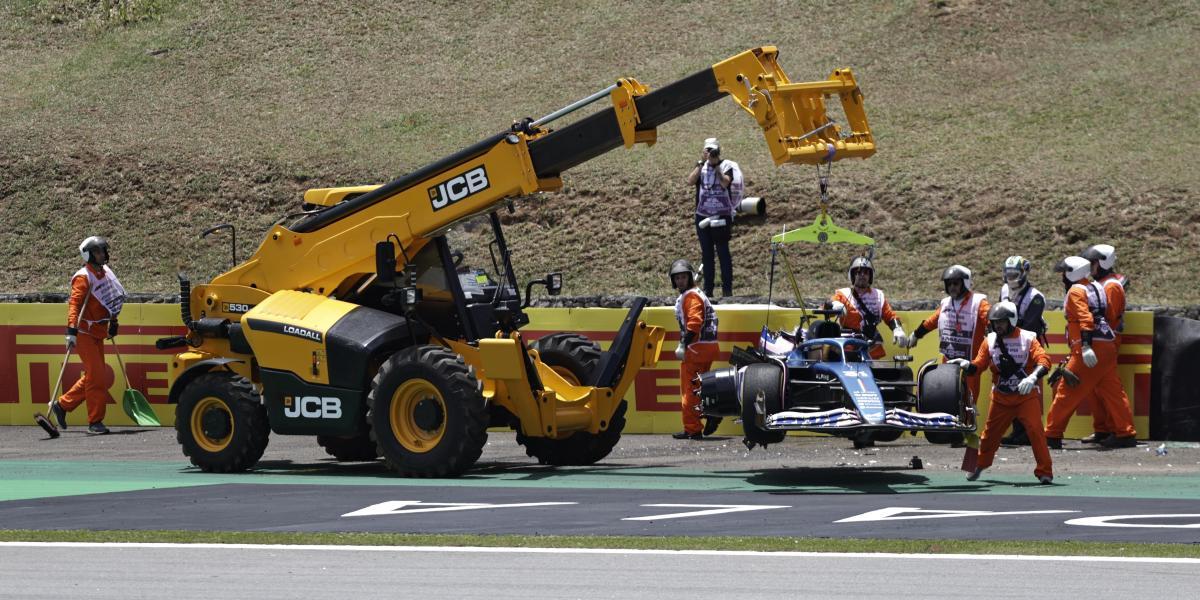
{"type": "Point", "coordinates": [357, 322]}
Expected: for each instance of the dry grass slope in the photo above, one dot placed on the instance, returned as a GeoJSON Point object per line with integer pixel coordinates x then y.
{"type": "Point", "coordinates": [1004, 128]}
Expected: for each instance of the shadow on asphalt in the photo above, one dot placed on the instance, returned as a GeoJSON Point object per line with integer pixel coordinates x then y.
{"type": "Point", "coordinates": [881, 480]}
{"type": "Point", "coordinates": [783, 481]}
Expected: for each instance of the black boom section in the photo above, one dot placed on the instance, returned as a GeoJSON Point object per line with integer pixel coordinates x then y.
{"type": "Point", "coordinates": [612, 361]}
{"type": "Point", "coordinates": [361, 334]}
{"type": "Point", "coordinates": [596, 134]}
{"type": "Point", "coordinates": [394, 187]}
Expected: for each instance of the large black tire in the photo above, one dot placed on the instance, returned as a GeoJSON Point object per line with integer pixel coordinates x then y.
{"type": "Point", "coordinates": [941, 389]}
{"type": "Point", "coordinates": [427, 414]}
{"type": "Point", "coordinates": [575, 358]}
{"type": "Point", "coordinates": [221, 423]}
{"type": "Point", "coordinates": [358, 448]}
{"type": "Point", "coordinates": [765, 378]}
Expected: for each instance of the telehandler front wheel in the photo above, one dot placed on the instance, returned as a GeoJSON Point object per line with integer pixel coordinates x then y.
{"type": "Point", "coordinates": [427, 414]}
{"type": "Point", "coordinates": [575, 358]}
{"type": "Point", "coordinates": [221, 424]}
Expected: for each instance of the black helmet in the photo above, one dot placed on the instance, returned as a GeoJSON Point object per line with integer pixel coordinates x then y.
{"type": "Point", "coordinates": [94, 242]}
{"type": "Point", "coordinates": [861, 262]}
{"type": "Point", "coordinates": [957, 272]}
{"type": "Point", "coordinates": [1004, 311]}
{"type": "Point", "coordinates": [682, 266]}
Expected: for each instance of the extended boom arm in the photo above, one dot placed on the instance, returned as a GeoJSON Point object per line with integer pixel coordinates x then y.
{"type": "Point", "coordinates": [314, 254]}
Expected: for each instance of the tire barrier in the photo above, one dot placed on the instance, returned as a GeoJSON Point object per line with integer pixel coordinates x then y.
{"type": "Point", "coordinates": [1175, 377]}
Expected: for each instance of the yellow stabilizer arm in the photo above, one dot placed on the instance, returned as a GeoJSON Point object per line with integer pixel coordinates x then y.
{"type": "Point", "coordinates": [792, 115]}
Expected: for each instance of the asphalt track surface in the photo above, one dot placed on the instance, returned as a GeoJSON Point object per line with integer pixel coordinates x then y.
{"type": "Point", "coordinates": [651, 486]}
{"type": "Point", "coordinates": [225, 571]}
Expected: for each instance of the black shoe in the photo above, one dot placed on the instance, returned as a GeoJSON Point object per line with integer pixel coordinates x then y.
{"type": "Point", "coordinates": [97, 428]}
{"type": "Point", "coordinates": [1096, 437]}
{"type": "Point", "coordinates": [1119, 442]}
{"type": "Point", "coordinates": [60, 415]}
{"type": "Point", "coordinates": [1015, 440]}
{"type": "Point", "coordinates": [1046, 480]}
{"type": "Point", "coordinates": [683, 435]}
{"type": "Point", "coordinates": [1054, 443]}
{"type": "Point", "coordinates": [711, 424]}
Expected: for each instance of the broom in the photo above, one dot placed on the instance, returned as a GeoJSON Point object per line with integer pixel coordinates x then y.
{"type": "Point", "coordinates": [49, 427]}
{"type": "Point", "coordinates": [132, 401]}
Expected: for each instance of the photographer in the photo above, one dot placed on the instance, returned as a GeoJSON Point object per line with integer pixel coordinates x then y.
{"type": "Point", "coordinates": [718, 184]}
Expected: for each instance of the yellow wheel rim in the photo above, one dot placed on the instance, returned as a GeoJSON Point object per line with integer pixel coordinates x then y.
{"type": "Point", "coordinates": [418, 415]}
{"type": "Point", "coordinates": [566, 373]}
{"type": "Point", "coordinates": [204, 407]}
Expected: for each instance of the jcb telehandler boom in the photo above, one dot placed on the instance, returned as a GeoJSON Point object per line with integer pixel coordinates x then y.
{"type": "Point", "coordinates": [356, 322]}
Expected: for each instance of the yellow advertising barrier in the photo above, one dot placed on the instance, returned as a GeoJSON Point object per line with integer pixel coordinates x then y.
{"type": "Point", "coordinates": [31, 353]}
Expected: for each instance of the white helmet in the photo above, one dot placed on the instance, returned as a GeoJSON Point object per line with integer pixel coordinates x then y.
{"type": "Point", "coordinates": [1004, 311]}
{"type": "Point", "coordinates": [1075, 268]}
{"type": "Point", "coordinates": [1103, 255]}
{"type": "Point", "coordinates": [957, 272]}
{"type": "Point", "coordinates": [861, 262]}
{"type": "Point", "coordinates": [1016, 272]}
{"type": "Point", "coordinates": [94, 242]}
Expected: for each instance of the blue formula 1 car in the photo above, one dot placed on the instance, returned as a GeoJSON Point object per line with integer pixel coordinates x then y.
{"type": "Point", "coordinates": [822, 379]}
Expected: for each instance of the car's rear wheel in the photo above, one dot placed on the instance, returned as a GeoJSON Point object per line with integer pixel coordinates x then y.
{"type": "Point", "coordinates": [764, 379]}
{"type": "Point", "coordinates": [942, 389]}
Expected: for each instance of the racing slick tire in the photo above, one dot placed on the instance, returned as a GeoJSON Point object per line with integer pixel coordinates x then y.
{"type": "Point", "coordinates": [427, 412]}
{"type": "Point", "coordinates": [942, 389]}
{"type": "Point", "coordinates": [575, 358]}
{"type": "Point", "coordinates": [221, 424]}
{"type": "Point", "coordinates": [767, 379]}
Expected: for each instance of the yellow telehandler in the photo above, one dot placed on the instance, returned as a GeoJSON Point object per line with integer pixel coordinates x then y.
{"type": "Point", "coordinates": [356, 321]}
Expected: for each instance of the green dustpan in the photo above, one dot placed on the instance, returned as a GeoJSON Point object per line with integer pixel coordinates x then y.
{"type": "Point", "coordinates": [133, 402]}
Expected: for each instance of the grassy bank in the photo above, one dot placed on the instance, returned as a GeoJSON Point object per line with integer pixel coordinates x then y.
{"type": "Point", "coordinates": [1003, 127]}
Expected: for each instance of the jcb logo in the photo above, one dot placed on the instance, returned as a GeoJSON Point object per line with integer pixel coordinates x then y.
{"type": "Point", "coordinates": [457, 188]}
{"type": "Point", "coordinates": [312, 407]}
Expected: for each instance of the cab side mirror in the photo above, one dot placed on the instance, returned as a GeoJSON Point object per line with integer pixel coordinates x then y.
{"type": "Point", "coordinates": [385, 263]}
{"type": "Point", "coordinates": [554, 282]}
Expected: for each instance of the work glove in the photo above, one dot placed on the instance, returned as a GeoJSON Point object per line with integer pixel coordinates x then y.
{"type": "Point", "coordinates": [112, 328]}
{"type": "Point", "coordinates": [680, 351]}
{"type": "Point", "coordinates": [898, 336]}
{"type": "Point", "coordinates": [71, 331]}
{"type": "Point", "coordinates": [1026, 385]}
{"type": "Point", "coordinates": [1089, 357]}
{"type": "Point", "coordinates": [838, 306]}
{"type": "Point", "coordinates": [961, 362]}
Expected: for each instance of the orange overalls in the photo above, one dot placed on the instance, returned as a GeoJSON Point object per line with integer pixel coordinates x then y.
{"type": "Point", "coordinates": [1007, 404]}
{"type": "Point", "coordinates": [93, 384]}
{"type": "Point", "coordinates": [1114, 313]}
{"type": "Point", "coordinates": [1101, 380]}
{"type": "Point", "coordinates": [853, 317]}
{"type": "Point", "coordinates": [952, 316]}
{"type": "Point", "coordinates": [697, 317]}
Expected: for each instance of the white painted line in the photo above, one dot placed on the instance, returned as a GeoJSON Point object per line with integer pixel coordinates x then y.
{"type": "Point", "coordinates": [893, 513]}
{"type": "Point", "coordinates": [714, 509]}
{"type": "Point", "coordinates": [508, 550]}
{"type": "Point", "coordinates": [400, 507]}
{"type": "Point", "coordinates": [1108, 521]}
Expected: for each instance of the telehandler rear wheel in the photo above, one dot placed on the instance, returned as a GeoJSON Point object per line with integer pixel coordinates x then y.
{"type": "Point", "coordinates": [427, 414]}
{"type": "Point", "coordinates": [575, 358]}
{"type": "Point", "coordinates": [221, 424]}
{"type": "Point", "coordinates": [358, 448]}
